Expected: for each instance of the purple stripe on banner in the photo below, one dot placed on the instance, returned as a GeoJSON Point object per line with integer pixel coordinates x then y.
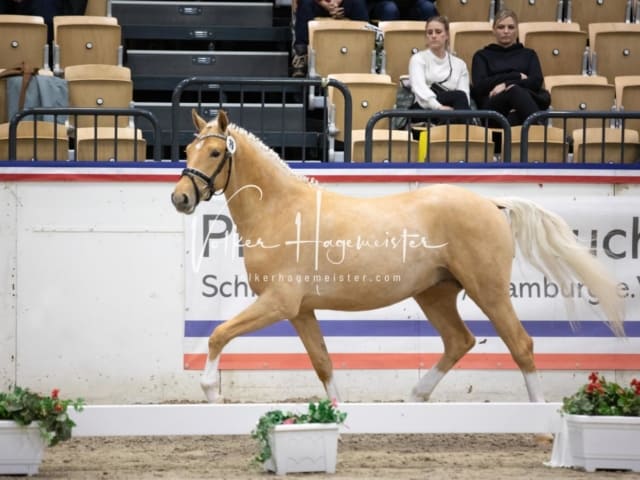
{"type": "Point", "coordinates": [419, 328]}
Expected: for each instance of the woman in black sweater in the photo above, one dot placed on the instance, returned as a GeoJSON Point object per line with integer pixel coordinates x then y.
{"type": "Point", "coordinates": [506, 76]}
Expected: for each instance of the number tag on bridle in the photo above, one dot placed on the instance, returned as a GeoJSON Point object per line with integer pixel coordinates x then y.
{"type": "Point", "coordinates": [231, 145]}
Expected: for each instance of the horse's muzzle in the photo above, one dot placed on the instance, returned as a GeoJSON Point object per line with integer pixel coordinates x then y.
{"type": "Point", "coordinates": [182, 202]}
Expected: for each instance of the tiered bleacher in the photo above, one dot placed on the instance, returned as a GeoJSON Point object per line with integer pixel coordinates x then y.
{"type": "Point", "coordinates": [166, 57]}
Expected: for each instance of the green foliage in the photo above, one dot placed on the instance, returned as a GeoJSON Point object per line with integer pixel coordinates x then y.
{"type": "Point", "coordinates": [324, 411]}
{"type": "Point", "coordinates": [599, 397]}
{"type": "Point", "coordinates": [23, 407]}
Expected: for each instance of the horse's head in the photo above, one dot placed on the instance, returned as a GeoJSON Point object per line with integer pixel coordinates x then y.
{"type": "Point", "coordinates": [209, 159]}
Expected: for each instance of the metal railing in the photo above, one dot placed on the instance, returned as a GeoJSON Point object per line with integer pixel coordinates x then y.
{"type": "Point", "coordinates": [609, 121]}
{"type": "Point", "coordinates": [63, 113]}
{"type": "Point", "coordinates": [447, 118]}
{"type": "Point", "coordinates": [242, 91]}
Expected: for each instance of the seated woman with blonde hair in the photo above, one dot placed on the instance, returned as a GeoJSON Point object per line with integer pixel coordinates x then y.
{"type": "Point", "coordinates": [439, 80]}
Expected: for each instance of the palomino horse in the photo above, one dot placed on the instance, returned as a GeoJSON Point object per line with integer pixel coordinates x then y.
{"type": "Point", "coordinates": [440, 239]}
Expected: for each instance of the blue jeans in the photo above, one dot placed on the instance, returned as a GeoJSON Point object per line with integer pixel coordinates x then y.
{"type": "Point", "coordinates": [309, 9]}
{"type": "Point", "coordinates": [386, 10]}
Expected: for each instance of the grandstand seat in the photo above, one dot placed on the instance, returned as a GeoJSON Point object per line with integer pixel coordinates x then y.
{"type": "Point", "coordinates": [557, 147]}
{"type": "Point", "coordinates": [84, 39]}
{"type": "Point", "coordinates": [99, 86]}
{"type": "Point", "coordinates": [103, 86]}
{"type": "Point", "coordinates": [605, 145]}
{"type": "Point", "coordinates": [468, 37]}
{"type": "Point", "coordinates": [370, 93]}
{"type": "Point", "coordinates": [616, 48]}
{"type": "Point", "coordinates": [23, 38]}
{"type": "Point", "coordinates": [560, 46]}
{"type": "Point", "coordinates": [628, 97]}
{"type": "Point", "coordinates": [584, 12]}
{"type": "Point", "coordinates": [579, 93]}
{"type": "Point", "coordinates": [403, 147]}
{"type": "Point", "coordinates": [341, 46]}
{"type": "Point", "coordinates": [402, 38]}
{"type": "Point", "coordinates": [535, 10]}
{"type": "Point", "coordinates": [457, 143]}
{"type": "Point", "coordinates": [51, 141]}
{"type": "Point", "coordinates": [112, 144]}
{"type": "Point", "coordinates": [467, 11]}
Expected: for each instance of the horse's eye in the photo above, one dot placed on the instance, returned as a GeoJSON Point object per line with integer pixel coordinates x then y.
{"type": "Point", "coordinates": [215, 153]}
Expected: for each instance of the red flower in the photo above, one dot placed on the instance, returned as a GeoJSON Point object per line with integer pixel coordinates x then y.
{"type": "Point", "coordinates": [54, 393]}
{"type": "Point", "coordinates": [594, 387]}
{"type": "Point", "coordinates": [636, 385]}
{"type": "Point", "coordinates": [334, 402]}
{"type": "Point", "coordinates": [288, 421]}
{"type": "Point", "coordinates": [593, 378]}
{"type": "Point", "coordinates": [58, 407]}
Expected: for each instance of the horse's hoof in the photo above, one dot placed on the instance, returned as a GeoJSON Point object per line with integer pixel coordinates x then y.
{"type": "Point", "coordinates": [211, 391]}
{"type": "Point", "coordinates": [418, 397]}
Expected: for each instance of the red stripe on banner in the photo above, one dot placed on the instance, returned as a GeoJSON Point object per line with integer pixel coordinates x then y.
{"type": "Point", "coordinates": [392, 361]}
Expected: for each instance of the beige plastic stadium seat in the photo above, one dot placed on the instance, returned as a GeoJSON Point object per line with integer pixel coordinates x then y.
{"type": "Point", "coordinates": [401, 40]}
{"type": "Point", "coordinates": [403, 147]}
{"type": "Point", "coordinates": [539, 136]}
{"type": "Point", "coordinates": [560, 46]}
{"type": "Point", "coordinates": [617, 48]}
{"type": "Point", "coordinates": [23, 38]}
{"type": "Point", "coordinates": [466, 10]}
{"type": "Point", "coordinates": [628, 97]}
{"type": "Point", "coordinates": [469, 37]}
{"type": "Point", "coordinates": [590, 143]}
{"type": "Point", "coordinates": [585, 12]}
{"type": "Point", "coordinates": [340, 46]}
{"type": "Point", "coordinates": [579, 93]}
{"type": "Point", "coordinates": [84, 39]}
{"type": "Point", "coordinates": [458, 143]}
{"type": "Point", "coordinates": [113, 144]}
{"type": "Point", "coordinates": [370, 93]}
{"type": "Point", "coordinates": [99, 86]}
{"type": "Point", "coordinates": [535, 10]}
{"type": "Point", "coordinates": [51, 141]}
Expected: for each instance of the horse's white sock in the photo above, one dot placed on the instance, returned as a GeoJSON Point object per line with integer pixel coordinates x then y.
{"type": "Point", "coordinates": [209, 380]}
{"type": "Point", "coordinates": [422, 391]}
{"type": "Point", "coordinates": [532, 380]}
{"type": "Point", "coordinates": [332, 390]}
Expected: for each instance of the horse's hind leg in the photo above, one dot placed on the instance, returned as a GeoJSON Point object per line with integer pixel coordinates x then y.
{"type": "Point", "coordinates": [496, 304]}
{"type": "Point", "coordinates": [439, 305]}
{"type": "Point", "coordinates": [308, 329]}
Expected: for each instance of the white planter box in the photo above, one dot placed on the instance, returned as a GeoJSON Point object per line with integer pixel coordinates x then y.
{"type": "Point", "coordinates": [309, 447]}
{"type": "Point", "coordinates": [21, 448]}
{"type": "Point", "coordinates": [604, 442]}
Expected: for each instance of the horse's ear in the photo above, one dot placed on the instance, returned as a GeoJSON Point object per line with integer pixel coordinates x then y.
{"type": "Point", "coordinates": [223, 120]}
{"type": "Point", "coordinates": [198, 121]}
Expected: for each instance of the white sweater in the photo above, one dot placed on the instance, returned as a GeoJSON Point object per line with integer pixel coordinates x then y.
{"type": "Point", "coordinates": [425, 68]}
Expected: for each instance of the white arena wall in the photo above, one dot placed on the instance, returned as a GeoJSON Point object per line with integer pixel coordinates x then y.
{"type": "Point", "coordinates": [92, 292]}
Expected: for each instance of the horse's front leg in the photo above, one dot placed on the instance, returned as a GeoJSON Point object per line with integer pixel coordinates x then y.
{"type": "Point", "coordinates": [263, 312]}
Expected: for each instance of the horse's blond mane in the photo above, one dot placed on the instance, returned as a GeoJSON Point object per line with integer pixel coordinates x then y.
{"type": "Point", "coordinates": [271, 154]}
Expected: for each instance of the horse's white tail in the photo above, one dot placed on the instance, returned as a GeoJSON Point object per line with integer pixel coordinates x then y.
{"type": "Point", "coordinates": [549, 244]}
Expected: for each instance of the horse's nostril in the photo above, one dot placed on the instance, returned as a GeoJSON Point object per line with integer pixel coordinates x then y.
{"type": "Point", "coordinates": [185, 199]}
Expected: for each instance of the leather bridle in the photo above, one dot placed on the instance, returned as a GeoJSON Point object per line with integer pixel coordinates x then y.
{"type": "Point", "coordinates": [193, 173]}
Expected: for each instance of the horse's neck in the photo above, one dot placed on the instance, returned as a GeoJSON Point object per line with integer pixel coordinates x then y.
{"type": "Point", "coordinates": [258, 183]}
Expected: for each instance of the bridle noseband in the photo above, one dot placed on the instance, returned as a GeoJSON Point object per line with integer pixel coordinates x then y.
{"type": "Point", "coordinates": [193, 173]}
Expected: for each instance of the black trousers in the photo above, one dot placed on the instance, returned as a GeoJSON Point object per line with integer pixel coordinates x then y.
{"type": "Point", "coordinates": [516, 104]}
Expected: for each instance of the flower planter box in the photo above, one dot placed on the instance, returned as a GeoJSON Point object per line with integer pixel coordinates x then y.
{"type": "Point", "coordinates": [605, 442]}
{"type": "Point", "coordinates": [311, 447]}
{"type": "Point", "coordinates": [21, 448]}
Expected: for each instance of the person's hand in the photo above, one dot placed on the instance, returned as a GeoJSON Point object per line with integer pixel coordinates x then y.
{"type": "Point", "coordinates": [523, 76]}
{"type": "Point", "coordinates": [445, 107]}
{"type": "Point", "coordinates": [501, 87]}
{"type": "Point", "coordinates": [336, 9]}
